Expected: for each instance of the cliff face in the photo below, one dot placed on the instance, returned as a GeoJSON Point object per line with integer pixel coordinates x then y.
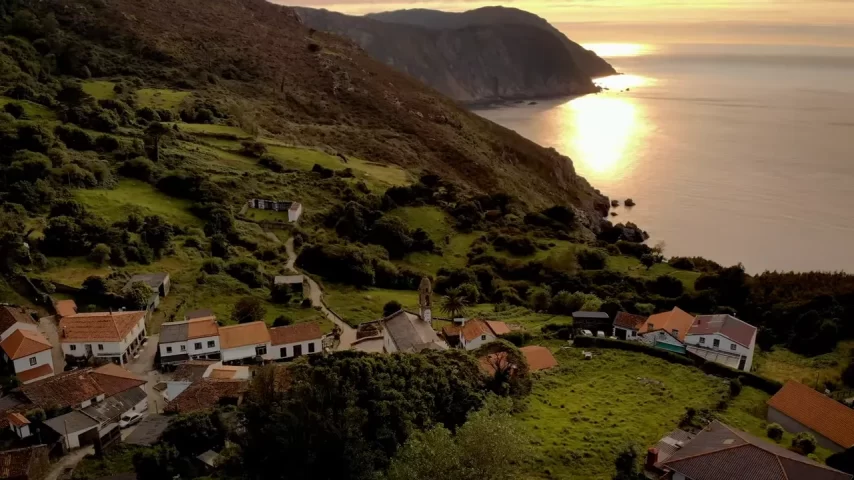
{"type": "Point", "coordinates": [468, 61]}
{"type": "Point", "coordinates": [590, 63]}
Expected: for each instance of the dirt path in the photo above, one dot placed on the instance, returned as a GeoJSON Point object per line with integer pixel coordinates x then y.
{"type": "Point", "coordinates": [348, 333]}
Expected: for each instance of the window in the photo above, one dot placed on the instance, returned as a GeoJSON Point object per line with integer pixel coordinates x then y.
{"type": "Point", "coordinates": [311, 347]}
{"type": "Point", "coordinates": [283, 353]}
{"type": "Point", "coordinates": [72, 347]}
{"type": "Point", "coordinates": [261, 350]}
{"type": "Point", "coordinates": [732, 346]}
{"type": "Point", "coordinates": [211, 344]}
{"type": "Point", "coordinates": [168, 349]}
{"type": "Point", "coordinates": [100, 346]}
{"type": "Point", "coordinates": [675, 333]}
{"type": "Point", "coordinates": [483, 337]}
{"type": "Point", "coordinates": [702, 340]}
{"type": "Point", "coordinates": [198, 346]}
{"type": "Point", "coordinates": [33, 361]}
{"type": "Point", "coordinates": [716, 343]}
{"type": "Point", "coordinates": [183, 348]}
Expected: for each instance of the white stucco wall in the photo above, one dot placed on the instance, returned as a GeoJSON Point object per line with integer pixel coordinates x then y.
{"type": "Point", "coordinates": [726, 345]}
{"type": "Point", "coordinates": [111, 349]}
{"type": "Point", "coordinates": [23, 364]}
{"type": "Point", "coordinates": [478, 341]}
{"type": "Point", "coordinates": [630, 334]}
{"type": "Point", "coordinates": [15, 327]}
{"type": "Point", "coordinates": [293, 215]}
{"type": "Point", "coordinates": [390, 347]}
{"type": "Point", "coordinates": [205, 350]}
{"type": "Point", "coordinates": [172, 348]}
{"type": "Point", "coordinates": [276, 352]}
{"type": "Point", "coordinates": [247, 351]}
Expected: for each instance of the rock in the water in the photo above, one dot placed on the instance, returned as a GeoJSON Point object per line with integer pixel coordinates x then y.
{"type": "Point", "coordinates": [615, 203]}
{"type": "Point", "coordinates": [629, 202]}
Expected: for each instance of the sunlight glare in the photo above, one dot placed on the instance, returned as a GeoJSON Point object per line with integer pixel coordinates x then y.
{"type": "Point", "coordinates": [621, 82]}
{"type": "Point", "coordinates": [613, 50]}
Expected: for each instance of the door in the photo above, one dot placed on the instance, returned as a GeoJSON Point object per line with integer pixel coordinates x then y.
{"type": "Point", "coordinates": [742, 362]}
{"type": "Point", "coordinates": [621, 334]}
{"type": "Point", "coordinates": [88, 349]}
{"type": "Point", "coordinates": [297, 350]}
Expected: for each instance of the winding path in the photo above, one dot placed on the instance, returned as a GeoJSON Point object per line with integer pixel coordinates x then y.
{"type": "Point", "coordinates": [348, 333]}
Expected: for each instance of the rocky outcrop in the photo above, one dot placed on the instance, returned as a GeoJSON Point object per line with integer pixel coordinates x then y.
{"type": "Point", "coordinates": [471, 61]}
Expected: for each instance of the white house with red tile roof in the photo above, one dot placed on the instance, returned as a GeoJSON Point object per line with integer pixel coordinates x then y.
{"type": "Point", "coordinates": [473, 334]}
{"type": "Point", "coordinates": [30, 354]}
{"type": "Point", "coordinates": [115, 336]}
{"type": "Point", "coordinates": [13, 318]}
{"type": "Point", "coordinates": [191, 339]}
{"type": "Point", "coordinates": [245, 341]}
{"type": "Point", "coordinates": [723, 339]}
{"type": "Point", "coordinates": [295, 340]}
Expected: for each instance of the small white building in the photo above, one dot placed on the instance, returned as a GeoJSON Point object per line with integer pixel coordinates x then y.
{"type": "Point", "coordinates": [666, 330]}
{"type": "Point", "coordinates": [13, 318]}
{"type": "Point", "coordinates": [295, 340]}
{"type": "Point", "coordinates": [473, 334]}
{"type": "Point", "coordinates": [189, 340]}
{"type": "Point", "coordinates": [294, 209]}
{"type": "Point", "coordinates": [19, 424]}
{"type": "Point", "coordinates": [626, 325]}
{"type": "Point", "coordinates": [723, 339]}
{"type": "Point", "coordinates": [115, 336]}
{"type": "Point", "coordinates": [245, 341]}
{"type": "Point", "coordinates": [30, 354]}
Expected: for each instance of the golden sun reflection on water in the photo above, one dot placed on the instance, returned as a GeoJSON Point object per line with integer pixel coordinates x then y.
{"type": "Point", "coordinates": [614, 50]}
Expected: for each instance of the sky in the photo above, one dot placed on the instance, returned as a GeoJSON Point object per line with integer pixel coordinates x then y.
{"type": "Point", "coordinates": [795, 22]}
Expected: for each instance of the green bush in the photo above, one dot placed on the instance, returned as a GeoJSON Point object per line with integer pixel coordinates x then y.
{"type": "Point", "coordinates": [74, 138]}
{"type": "Point", "coordinates": [734, 387]}
{"type": "Point", "coordinates": [519, 338]}
{"type": "Point", "coordinates": [213, 266]}
{"type": "Point", "coordinates": [14, 109]}
{"type": "Point", "coordinates": [107, 143]}
{"type": "Point", "coordinates": [805, 442]}
{"type": "Point", "coordinates": [36, 138]}
{"type": "Point", "coordinates": [591, 259]}
{"type": "Point", "coordinates": [775, 432]}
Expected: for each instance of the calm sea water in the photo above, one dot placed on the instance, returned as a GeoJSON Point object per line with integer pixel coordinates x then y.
{"type": "Point", "coordinates": [738, 154]}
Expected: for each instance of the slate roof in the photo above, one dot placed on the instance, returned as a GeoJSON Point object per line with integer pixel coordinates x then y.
{"type": "Point", "coordinates": [301, 332]}
{"type": "Point", "coordinates": [816, 411]}
{"type": "Point", "coordinates": [10, 315]}
{"type": "Point", "coordinates": [73, 421]}
{"type": "Point", "coordinates": [65, 308]}
{"type": "Point", "coordinates": [288, 280]}
{"type": "Point", "coordinates": [234, 336]}
{"type": "Point", "coordinates": [720, 452]}
{"type": "Point", "coordinates": [676, 319]}
{"type": "Point", "coordinates": [149, 430]}
{"type": "Point", "coordinates": [671, 443]}
{"type": "Point", "coordinates": [207, 393]}
{"type": "Point", "coordinates": [23, 343]}
{"type": "Point", "coordinates": [16, 464]}
{"type": "Point", "coordinates": [34, 373]}
{"type": "Point", "coordinates": [100, 326]}
{"type": "Point", "coordinates": [111, 408]}
{"type": "Point", "coordinates": [595, 315]}
{"type": "Point", "coordinates": [734, 329]}
{"type": "Point", "coordinates": [174, 332]}
{"type": "Point", "coordinates": [629, 320]}
{"type": "Point", "coordinates": [68, 389]}
{"type": "Point", "coordinates": [408, 332]}
{"type": "Point", "coordinates": [539, 358]}
{"type": "Point", "coordinates": [114, 379]}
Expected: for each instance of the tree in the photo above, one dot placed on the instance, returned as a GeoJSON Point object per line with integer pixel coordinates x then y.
{"type": "Point", "coordinates": [248, 309]}
{"type": "Point", "coordinates": [390, 307]}
{"type": "Point", "coordinates": [626, 464]}
{"type": "Point", "coordinates": [843, 461]}
{"type": "Point", "coordinates": [592, 259]}
{"type": "Point", "coordinates": [509, 372]}
{"type": "Point", "coordinates": [775, 432]}
{"type": "Point", "coordinates": [648, 260]}
{"type": "Point", "coordinates": [138, 295]}
{"type": "Point", "coordinates": [282, 321]}
{"type": "Point", "coordinates": [196, 432]}
{"type": "Point", "coordinates": [539, 299]}
{"type": "Point", "coordinates": [157, 233]}
{"type": "Point", "coordinates": [100, 254]}
{"type": "Point", "coordinates": [805, 442]}
{"type": "Point", "coordinates": [735, 387]}
{"type": "Point", "coordinates": [393, 234]}
{"type": "Point", "coordinates": [280, 293]}
{"type": "Point", "coordinates": [155, 133]}
{"type": "Point", "coordinates": [454, 303]}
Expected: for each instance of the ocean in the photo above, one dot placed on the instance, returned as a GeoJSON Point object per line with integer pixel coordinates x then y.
{"type": "Point", "coordinates": [734, 153]}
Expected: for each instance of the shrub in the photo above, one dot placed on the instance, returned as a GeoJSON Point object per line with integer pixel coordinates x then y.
{"type": "Point", "coordinates": [107, 143]}
{"type": "Point", "coordinates": [667, 286]}
{"type": "Point", "coordinates": [282, 321]}
{"type": "Point", "coordinates": [148, 114]}
{"type": "Point", "coordinates": [248, 309]}
{"type": "Point", "coordinates": [591, 259]}
{"type": "Point", "coordinates": [140, 168]}
{"type": "Point", "coordinates": [21, 92]}
{"type": "Point", "coordinates": [36, 138]}
{"type": "Point", "coordinates": [213, 266]}
{"type": "Point", "coordinates": [14, 109]}
{"type": "Point", "coordinates": [74, 138]}
{"type": "Point", "coordinates": [518, 337]}
{"type": "Point", "coordinates": [271, 162]}
{"type": "Point", "coordinates": [100, 254]}
{"type": "Point", "coordinates": [805, 442]}
{"type": "Point", "coordinates": [280, 293]}
{"type": "Point", "coordinates": [734, 387]}
{"type": "Point", "coordinates": [775, 432]}
{"type": "Point", "coordinates": [323, 171]}
{"type": "Point", "coordinates": [247, 272]}
{"type": "Point", "coordinates": [253, 148]}
{"type": "Point", "coordinates": [390, 307]}
{"type": "Point", "coordinates": [682, 263]}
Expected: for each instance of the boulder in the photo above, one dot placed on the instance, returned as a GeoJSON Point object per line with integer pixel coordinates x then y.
{"type": "Point", "coordinates": [629, 202]}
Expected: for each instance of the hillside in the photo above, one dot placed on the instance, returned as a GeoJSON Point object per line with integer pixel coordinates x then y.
{"type": "Point", "coordinates": [589, 62]}
{"type": "Point", "coordinates": [476, 62]}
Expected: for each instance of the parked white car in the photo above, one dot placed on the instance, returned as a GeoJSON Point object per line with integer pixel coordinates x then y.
{"type": "Point", "coordinates": [130, 419]}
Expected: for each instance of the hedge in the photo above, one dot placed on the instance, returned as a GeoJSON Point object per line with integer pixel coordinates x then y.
{"type": "Point", "coordinates": [750, 379]}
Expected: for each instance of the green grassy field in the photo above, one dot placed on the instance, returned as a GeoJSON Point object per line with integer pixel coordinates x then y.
{"type": "Point", "coordinates": [32, 111]}
{"type": "Point", "coordinates": [359, 306]}
{"type": "Point", "coordinates": [160, 98]}
{"type": "Point", "coordinates": [632, 266]}
{"type": "Point", "coordinates": [371, 173]}
{"type": "Point", "coordinates": [454, 255]}
{"type": "Point", "coordinates": [266, 215]}
{"type": "Point", "coordinates": [781, 364]}
{"type": "Point", "coordinates": [134, 196]}
{"type": "Point", "coordinates": [100, 89]}
{"type": "Point", "coordinates": [527, 319]}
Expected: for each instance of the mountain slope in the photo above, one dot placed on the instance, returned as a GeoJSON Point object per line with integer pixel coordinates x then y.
{"type": "Point", "coordinates": [311, 88]}
{"type": "Point", "coordinates": [469, 63]}
{"type": "Point", "coordinates": [589, 62]}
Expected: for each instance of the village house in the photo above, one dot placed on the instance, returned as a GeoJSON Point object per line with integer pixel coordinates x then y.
{"type": "Point", "coordinates": [627, 325]}
{"type": "Point", "coordinates": [191, 339]}
{"type": "Point", "coordinates": [14, 318]}
{"type": "Point", "coordinates": [193, 371]}
{"type": "Point", "coordinates": [473, 334]}
{"type": "Point", "coordinates": [799, 408]}
{"type": "Point", "coordinates": [722, 339]}
{"type": "Point", "coordinates": [295, 340]}
{"type": "Point", "coordinates": [115, 336]}
{"type": "Point", "coordinates": [593, 321]}
{"type": "Point", "coordinates": [294, 282]}
{"type": "Point", "coordinates": [208, 393]}
{"type": "Point", "coordinates": [29, 353]}
{"type": "Point", "coordinates": [30, 463]}
{"type": "Point", "coordinates": [159, 283]}
{"type": "Point", "coordinates": [719, 451]}
{"type": "Point", "coordinates": [246, 341]}
{"type": "Point", "coordinates": [666, 330]}
{"type": "Point", "coordinates": [294, 209]}
{"type": "Point", "coordinates": [97, 398]}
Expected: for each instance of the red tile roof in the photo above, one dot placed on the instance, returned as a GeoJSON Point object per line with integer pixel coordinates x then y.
{"type": "Point", "coordinates": [539, 358]}
{"type": "Point", "coordinates": [202, 327]}
{"type": "Point", "coordinates": [114, 379]}
{"type": "Point", "coordinates": [23, 463]}
{"type": "Point", "coordinates": [207, 393]}
{"type": "Point", "coordinates": [252, 333]}
{"type": "Point", "coordinates": [23, 343]}
{"type": "Point", "coordinates": [101, 326]}
{"type": "Point", "coordinates": [301, 332]}
{"type": "Point", "coordinates": [816, 411]}
{"type": "Point", "coordinates": [17, 419]}
{"type": "Point", "coordinates": [498, 328]}
{"type": "Point", "coordinates": [68, 389]}
{"type": "Point", "coordinates": [629, 320]}
{"type": "Point", "coordinates": [736, 330]}
{"type": "Point", "coordinates": [10, 315]}
{"type": "Point", "coordinates": [42, 370]}
{"type": "Point", "coordinates": [676, 319]}
{"type": "Point", "coordinates": [65, 308]}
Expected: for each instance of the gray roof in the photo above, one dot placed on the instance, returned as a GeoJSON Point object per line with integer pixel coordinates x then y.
{"type": "Point", "coordinates": [174, 332]}
{"type": "Point", "coordinates": [672, 442]}
{"type": "Point", "coordinates": [71, 422]}
{"type": "Point", "coordinates": [149, 430]}
{"type": "Point", "coordinates": [288, 279]}
{"type": "Point", "coordinates": [209, 458]}
{"type": "Point", "coordinates": [153, 280]}
{"type": "Point", "coordinates": [113, 407]}
{"type": "Point", "coordinates": [8, 402]}
{"type": "Point", "coordinates": [408, 332]}
{"type": "Point", "coordinates": [597, 315]}
{"type": "Point", "coordinates": [181, 357]}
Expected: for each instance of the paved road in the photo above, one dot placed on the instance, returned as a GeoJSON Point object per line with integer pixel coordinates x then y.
{"type": "Point", "coordinates": [348, 333]}
{"type": "Point", "coordinates": [49, 326]}
{"type": "Point", "coordinates": [144, 366]}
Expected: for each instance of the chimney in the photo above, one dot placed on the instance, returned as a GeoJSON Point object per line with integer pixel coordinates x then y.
{"type": "Point", "coordinates": [651, 458]}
